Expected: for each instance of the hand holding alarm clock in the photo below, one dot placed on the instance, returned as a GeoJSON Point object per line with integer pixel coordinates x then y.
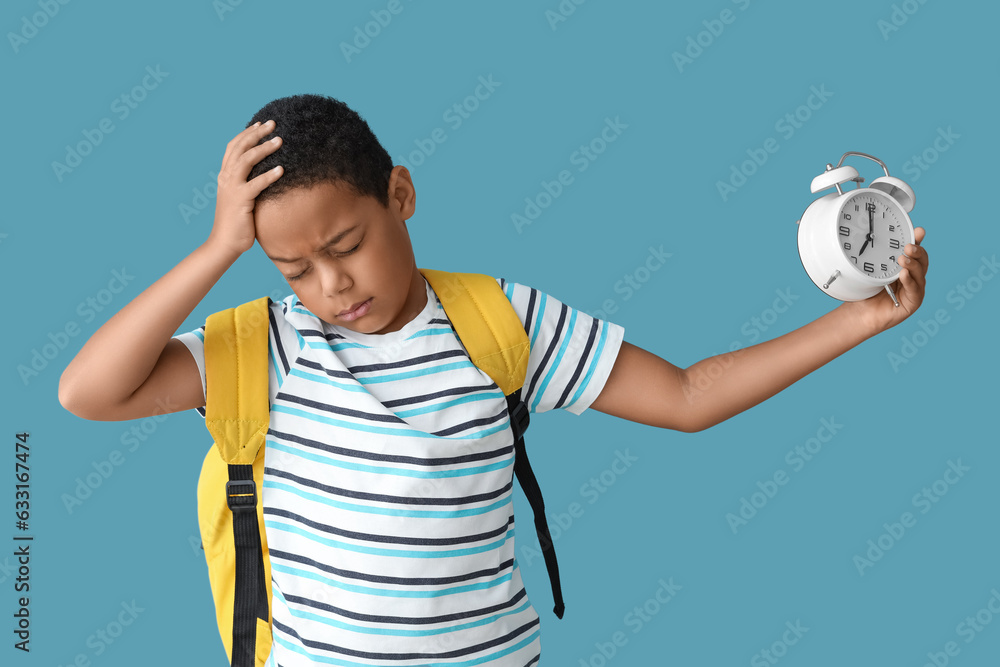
{"type": "Point", "coordinates": [857, 246]}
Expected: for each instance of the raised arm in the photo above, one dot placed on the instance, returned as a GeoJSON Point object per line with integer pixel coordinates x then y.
{"type": "Point", "coordinates": [116, 361]}
{"type": "Point", "coordinates": [129, 368]}
{"type": "Point", "coordinates": [644, 388]}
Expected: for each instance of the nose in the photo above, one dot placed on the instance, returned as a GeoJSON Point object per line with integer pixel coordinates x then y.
{"type": "Point", "coordinates": [333, 279]}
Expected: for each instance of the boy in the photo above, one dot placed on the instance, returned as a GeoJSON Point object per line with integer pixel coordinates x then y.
{"type": "Point", "coordinates": [388, 464]}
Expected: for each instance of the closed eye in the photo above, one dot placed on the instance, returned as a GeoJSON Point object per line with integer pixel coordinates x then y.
{"type": "Point", "coordinates": [339, 254]}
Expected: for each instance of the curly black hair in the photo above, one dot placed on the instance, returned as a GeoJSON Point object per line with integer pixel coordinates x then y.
{"type": "Point", "coordinates": [322, 139]}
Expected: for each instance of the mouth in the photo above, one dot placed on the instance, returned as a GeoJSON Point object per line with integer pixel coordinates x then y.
{"type": "Point", "coordinates": [356, 311]}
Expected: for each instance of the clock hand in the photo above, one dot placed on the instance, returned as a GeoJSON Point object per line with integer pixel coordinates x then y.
{"type": "Point", "coordinates": [871, 231]}
{"type": "Point", "coordinates": [871, 224]}
{"type": "Point", "coordinates": [867, 239]}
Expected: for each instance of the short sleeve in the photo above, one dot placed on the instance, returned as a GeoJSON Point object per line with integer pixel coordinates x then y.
{"type": "Point", "coordinates": [283, 344]}
{"type": "Point", "coordinates": [572, 353]}
{"type": "Point", "coordinates": [195, 343]}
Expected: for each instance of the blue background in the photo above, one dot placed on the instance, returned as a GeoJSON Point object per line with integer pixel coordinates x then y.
{"type": "Point", "coordinates": [136, 536]}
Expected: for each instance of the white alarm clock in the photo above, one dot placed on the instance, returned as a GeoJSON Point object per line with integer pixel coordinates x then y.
{"type": "Point", "coordinates": [849, 241]}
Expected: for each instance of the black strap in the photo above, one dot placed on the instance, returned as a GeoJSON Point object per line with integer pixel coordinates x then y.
{"type": "Point", "coordinates": [250, 600]}
{"type": "Point", "coordinates": [518, 411]}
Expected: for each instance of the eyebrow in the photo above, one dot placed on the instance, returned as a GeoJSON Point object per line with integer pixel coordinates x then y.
{"type": "Point", "coordinates": [332, 241]}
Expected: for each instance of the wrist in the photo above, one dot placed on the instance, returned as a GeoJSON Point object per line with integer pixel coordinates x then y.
{"type": "Point", "coordinates": [220, 250]}
{"type": "Point", "coordinates": [859, 318]}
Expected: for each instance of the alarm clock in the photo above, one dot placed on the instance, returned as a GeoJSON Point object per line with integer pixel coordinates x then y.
{"type": "Point", "coordinates": [849, 241]}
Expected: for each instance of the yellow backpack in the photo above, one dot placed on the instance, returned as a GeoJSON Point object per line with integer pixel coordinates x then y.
{"type": "Point", "coordinates": [230, 514]}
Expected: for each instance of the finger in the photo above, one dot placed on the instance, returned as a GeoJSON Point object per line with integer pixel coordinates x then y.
{"type": "Point", "coordinates": [910, 295]}
{"type": "Point", "coordinates": [237, 145]}
{"type": "Point", "coordinates": [256, 153]}
{"type": "Point", "coordinates": [918, 234]}
{"type": "Point", "coordinates": [918, 254]}
{"type": "Point", "coordinates": [261, 181]}
{"type": "Point", "coordinates": [918, 271]}
{"type": "Point", "coordinates": [914, 269]}
{"type": "Point", "coordinates": [257, 134]}
{"type": "Point", "coordinates": [246, 155]}
{"type": "Point", "coordinates": [250, 137]}
{"type": "Point", "coordinates": [242, 135]}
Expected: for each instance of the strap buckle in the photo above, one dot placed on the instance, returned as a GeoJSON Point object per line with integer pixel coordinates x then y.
{"type": "Point", "coordinates": [241, 495]}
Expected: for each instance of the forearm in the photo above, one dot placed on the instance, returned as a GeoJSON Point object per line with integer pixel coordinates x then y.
{"type": "Point", "coordinates": [725, 385]}
{"type": "Point", "coordinates": [119, 356]}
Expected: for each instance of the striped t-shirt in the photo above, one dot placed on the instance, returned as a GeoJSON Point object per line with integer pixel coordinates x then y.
{"type": "Point", "coordinates": [388, 473]}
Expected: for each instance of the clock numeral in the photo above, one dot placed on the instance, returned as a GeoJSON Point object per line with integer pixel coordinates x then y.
{"type": "Point", "coordinates": [845, 230]}
{"type": "Point", "coordinates": [854, 258]}
{"type": "Point", "coordinates": [869, 267]}
{"type": "Point", "coordinates": [847, 216]}
{"type": "Point", "coordinates": [894, 244]}
{"type": "Point", "coordinates": [892, 258]}
{"type": "Point", "coordinates": [870, 207]}
{"type": "Point", "coordinates": [847, 246]}
{"type": "Point", "coordinates": [892, 228]}
{"type": "Point", "coordinates": [856, 207]}
{"type": "Point", "coordinates": [885, 268]}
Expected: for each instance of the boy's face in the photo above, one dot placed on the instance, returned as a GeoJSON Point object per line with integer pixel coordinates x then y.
{"type": "Point", "coordinates": [298, 224]}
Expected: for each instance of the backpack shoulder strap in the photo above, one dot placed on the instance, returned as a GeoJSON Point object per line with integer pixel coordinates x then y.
{"type": "Point", "coordinates": [237, 415]}
{"type": "Point", "coordinates": [497, 343]}
{"type": "Point", "coordinates": [486, 323]}
{"type": "Point", "coordinates": [236, 402]}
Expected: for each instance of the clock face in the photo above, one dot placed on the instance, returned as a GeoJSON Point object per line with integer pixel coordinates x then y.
{"type": "Point", "coordinates": [872, 234]}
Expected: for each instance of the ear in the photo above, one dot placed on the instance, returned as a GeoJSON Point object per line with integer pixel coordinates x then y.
{"type": "Point", "coordinates": [402, 194]}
